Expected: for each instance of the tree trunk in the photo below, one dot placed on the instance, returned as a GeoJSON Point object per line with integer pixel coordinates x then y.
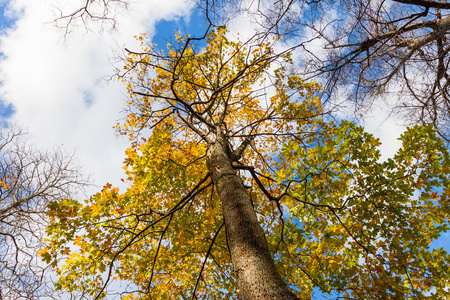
{"type": "Point", "coordinates": [254, 267]}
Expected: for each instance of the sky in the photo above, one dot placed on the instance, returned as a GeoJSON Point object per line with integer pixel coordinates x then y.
{"type": "Point", "coordinates": [56, 86]}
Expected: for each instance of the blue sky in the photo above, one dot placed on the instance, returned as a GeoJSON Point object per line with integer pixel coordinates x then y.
{"type": "Point", "coordinates": [165, 30]}
{"type": "Point", "coordinates": [6, 21]}
{"type": "Point", "coordinates": [6, 109]}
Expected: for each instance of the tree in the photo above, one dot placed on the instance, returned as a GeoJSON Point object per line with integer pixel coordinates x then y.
{"type": "Point", "coordinates": [399, 48]}
{"type": "Point", "coordinates": [29, 180]}
{"type": "Point", "coordinates": [241, 186]}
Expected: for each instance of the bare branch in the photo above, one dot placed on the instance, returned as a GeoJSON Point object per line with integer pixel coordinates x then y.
{"type": "Point", "coordinates": [29, 180]}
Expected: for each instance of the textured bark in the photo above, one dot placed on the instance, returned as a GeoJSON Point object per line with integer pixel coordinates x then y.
{"type": "Point", "coordinates": [254, 267]}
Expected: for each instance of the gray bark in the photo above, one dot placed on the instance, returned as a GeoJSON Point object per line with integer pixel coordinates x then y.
{"type": "Point", "coordinates": [254, 267]}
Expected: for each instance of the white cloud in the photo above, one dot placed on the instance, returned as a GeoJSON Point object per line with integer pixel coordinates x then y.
{"type": "Point", "coordinates": [57, 87]}
{"type": "Point", "coordinates": [386, 128]}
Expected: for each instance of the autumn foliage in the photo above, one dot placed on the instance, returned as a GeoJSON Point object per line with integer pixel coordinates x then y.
{"type": "Point", "coordinates": [335, 217]}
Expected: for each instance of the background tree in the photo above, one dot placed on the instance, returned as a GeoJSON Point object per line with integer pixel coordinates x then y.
{"type": "Point", "coordinates": [398, 47]}
{"type": "Point", "coordinates": [29, 180]}
{"type": "Point", "coordinates": [371, 48]}
{"type": "Point", "coordinates": [241, 186]}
